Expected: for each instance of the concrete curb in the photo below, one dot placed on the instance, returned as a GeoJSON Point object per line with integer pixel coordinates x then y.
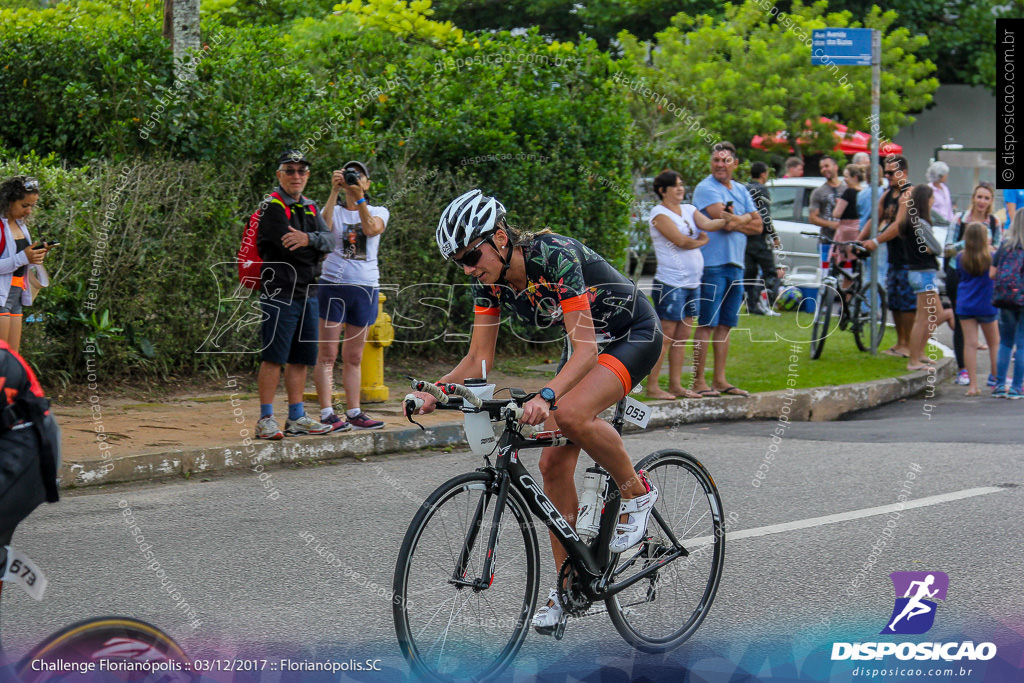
{"type": "Point", "coordinates": [799, 405]}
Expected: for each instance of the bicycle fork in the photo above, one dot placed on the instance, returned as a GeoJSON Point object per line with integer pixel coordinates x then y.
{"type": "Point", "coordinates": [486, 577]}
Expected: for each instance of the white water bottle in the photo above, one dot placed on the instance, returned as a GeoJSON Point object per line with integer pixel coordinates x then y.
{"type": "Point", "coordinates": [595, 487]}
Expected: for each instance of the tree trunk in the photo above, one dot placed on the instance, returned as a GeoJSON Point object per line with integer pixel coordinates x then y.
{"type": "Point", "coordinates": [181, 27]}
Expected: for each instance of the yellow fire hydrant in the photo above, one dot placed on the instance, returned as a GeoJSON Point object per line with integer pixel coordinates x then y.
{"type": "Point", "coordinates": [380, 334]}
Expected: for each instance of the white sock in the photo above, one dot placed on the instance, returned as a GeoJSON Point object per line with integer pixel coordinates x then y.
{"type": "Point", "coordinates": [354, 412]}
{"type": "Point", "coordinates": [326, 413]}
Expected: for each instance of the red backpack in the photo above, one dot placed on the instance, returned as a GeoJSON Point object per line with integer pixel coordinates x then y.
{"type": "Point", "coordinates": [249, 261]}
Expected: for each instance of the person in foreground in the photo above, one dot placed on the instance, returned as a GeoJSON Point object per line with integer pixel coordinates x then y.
{"type": "Point", "coordinates": [549, 279]}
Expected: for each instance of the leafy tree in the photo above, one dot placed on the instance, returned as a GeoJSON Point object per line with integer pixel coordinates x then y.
{"type": "Point", "coordinates": [961, 33]}
{"type": "Point", "coordinates": [751, 74]}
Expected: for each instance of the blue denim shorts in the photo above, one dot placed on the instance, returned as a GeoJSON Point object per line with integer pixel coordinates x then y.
{"type": "Point", "coordinates": [675, 303]}
{"type": "Point", "coordinates": [923, 281]}
{"type": "Point", "coordinates": [721, 293]}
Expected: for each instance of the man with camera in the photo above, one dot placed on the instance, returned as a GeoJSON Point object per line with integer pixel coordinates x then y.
{"type": "Point", "coordinates": [349, 292]}
{"type": "Point", "coordinates": [292, 239]}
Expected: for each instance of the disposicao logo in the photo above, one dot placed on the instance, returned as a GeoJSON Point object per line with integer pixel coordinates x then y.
{"type": "Point", "coordinates": [913, 614]}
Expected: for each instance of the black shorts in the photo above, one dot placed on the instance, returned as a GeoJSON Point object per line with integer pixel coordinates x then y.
{"type": "Point", "coordinates": [633, 354]}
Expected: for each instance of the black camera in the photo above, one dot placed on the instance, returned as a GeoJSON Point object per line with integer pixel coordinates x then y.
{"type": "Point", "coordinates": [351, 176]}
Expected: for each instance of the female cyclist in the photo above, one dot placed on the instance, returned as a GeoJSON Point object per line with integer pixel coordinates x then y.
{"type": "Point", "coordinates": [547, 279]}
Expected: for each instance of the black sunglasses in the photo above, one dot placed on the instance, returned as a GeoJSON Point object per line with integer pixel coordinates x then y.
{"type": "Point", "coordinates": [472, 257]}
{"type": "Point", "coordinates": [295, 171]}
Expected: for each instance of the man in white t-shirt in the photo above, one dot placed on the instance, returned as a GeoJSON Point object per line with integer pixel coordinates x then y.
{"type": "Point", "coordinates": [349, 293]}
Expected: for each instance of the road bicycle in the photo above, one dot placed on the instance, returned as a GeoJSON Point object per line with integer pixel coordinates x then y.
{"type": "Point", "coordinates": [468, 571]}
{"type": "Point", "coordinates": [844, 283]}
{"type": "Point", "coordinates": [108, 649]}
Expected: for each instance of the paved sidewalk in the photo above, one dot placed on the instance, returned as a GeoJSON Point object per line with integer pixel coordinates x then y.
{"type": "Point", "coordinates": [105, 443]}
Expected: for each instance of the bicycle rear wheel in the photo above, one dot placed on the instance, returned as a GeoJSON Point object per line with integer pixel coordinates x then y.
{"type": "Point", "coordinates": [822, 318]}
{"type": "Point", "coordinates": [451, 632]}
{"type": "Point", "coordinates": [862, 330]}
{"type": "Point", "coordinates": [120, 649]}
{"type": "Point", "coordinates": [661, 611]}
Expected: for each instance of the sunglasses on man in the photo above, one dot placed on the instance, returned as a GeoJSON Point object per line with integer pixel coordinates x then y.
{"type": "Point", "coordinates": [295, 171]}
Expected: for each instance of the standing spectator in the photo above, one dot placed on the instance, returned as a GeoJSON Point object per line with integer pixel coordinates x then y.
{"type": "Point", "coordinates": [862, 159]}
{"type": "Point", "coordinates": [677, 235]}
{"type": "Point", "coordinates": [921, 249]}
{"type": "Point", "coordinates": [937, 174]}
{"type": "Point", "coordinates": [1013, 199]}
{"type": "Point", "coordinates": [974, 307]}
{"type": "Point", "coordinates": [759, 253]}
{"type": "Point", "coordinates": [891, 208]}
{"type": "Point", "coordinates": [980, 211]}
{"type": "Point", "coordinates": [1009, 263]}
{"type": "Point", "coordinates": [794, 168]}
{"type": "Point", "coordinates": [292, 240]}
{"type": "Point", "coordinates": [18, 196]}
{"type": "Point", "coordinates": [349, 294]}
{"type": "Point", "coordinates": [721, 290]}
{"type": "Point", "coordinates": [846, 209]}
{"type": "Point", "coordinates": [823, 200]}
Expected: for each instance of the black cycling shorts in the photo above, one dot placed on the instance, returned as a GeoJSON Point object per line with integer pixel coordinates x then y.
{"type": "Point", "coordinates": [633, 354]}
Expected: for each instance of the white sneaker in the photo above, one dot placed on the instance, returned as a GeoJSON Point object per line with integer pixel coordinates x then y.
{"type": "Point", "coordinates": [548, 616]}
{"type": "Point", "coordinates": [305, 425]}
{"type": "Point", "coordinates": [267, 428]}
{"type": "Point", "coordinates": [629, 533]}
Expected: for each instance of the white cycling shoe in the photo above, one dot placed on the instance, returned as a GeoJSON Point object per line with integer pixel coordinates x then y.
{"type": "Point", "coordinates": [545, 621]}
{"type": "Point", "coordinates": [629, 533]}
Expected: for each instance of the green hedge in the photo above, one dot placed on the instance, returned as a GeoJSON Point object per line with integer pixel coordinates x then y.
{"type": "Point", "coordinates": [184, 162]}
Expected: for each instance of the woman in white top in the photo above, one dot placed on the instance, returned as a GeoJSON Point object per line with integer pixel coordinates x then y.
{"type": "Point", "coordinates": [348, 292]}
{"type": "Point", "coordinates": [18, 196]}
{"type": "Point", "coordinates": [677, 232]}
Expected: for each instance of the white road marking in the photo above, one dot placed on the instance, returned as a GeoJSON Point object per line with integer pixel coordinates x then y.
{"type": "Point", "coordinates": [860, 514]}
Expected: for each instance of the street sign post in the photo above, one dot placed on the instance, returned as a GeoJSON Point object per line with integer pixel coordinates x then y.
{"type": "Point", "coordinates": [858, 47]}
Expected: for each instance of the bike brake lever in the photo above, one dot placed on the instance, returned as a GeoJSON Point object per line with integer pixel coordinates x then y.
{"type": "Point", "coordinates": [412, 404]}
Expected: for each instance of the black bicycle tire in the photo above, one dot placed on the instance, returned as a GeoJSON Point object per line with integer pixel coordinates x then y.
{"type": "Point", "coordinates": [822, 318]}
{"type": "Point", "coordinates": [82, 638]}
{"type": "Point", "coordinates": [690, 626]}
{"type": "Point", "coordinates": [433, 503]}
{"type": "Point", "coordinates": [862, 331]}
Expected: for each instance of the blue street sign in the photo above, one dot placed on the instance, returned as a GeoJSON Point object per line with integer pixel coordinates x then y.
{"type": "Point", "coordinates": [842, 46]}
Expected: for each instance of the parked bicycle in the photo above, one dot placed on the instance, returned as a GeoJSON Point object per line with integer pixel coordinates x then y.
{"type": "Point", "coordinates": [844, 284]}
{"type": "Point", "coordinates": [468, 571]}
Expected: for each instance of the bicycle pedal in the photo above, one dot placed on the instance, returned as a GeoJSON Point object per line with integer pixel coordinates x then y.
{"type": "Point", "coordinates": [560, 628]}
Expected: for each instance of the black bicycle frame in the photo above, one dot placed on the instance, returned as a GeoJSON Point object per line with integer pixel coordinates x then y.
{"type": "Point", "coordinates": [594, 560]}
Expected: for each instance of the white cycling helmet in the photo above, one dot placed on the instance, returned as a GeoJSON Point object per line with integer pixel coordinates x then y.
{"type": "Point", "coordinates": [471, 216]}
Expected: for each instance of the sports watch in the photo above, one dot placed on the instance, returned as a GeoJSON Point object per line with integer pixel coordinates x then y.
{"type": "Point", "coordinates": [548, 394]}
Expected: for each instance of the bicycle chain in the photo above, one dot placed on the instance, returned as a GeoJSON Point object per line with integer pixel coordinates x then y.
{"type": "Point", "coordinates": [573, 599]}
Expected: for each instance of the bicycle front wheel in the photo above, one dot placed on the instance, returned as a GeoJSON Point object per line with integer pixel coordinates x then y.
{"type": "Point", "coordinates": [822, 318]}
{"type": "Point", "coordinates": [446, 629]}
{"type": "Point", "coordinates": [862, 330]}
{"type": "Point", "coordinates": [120, 649]}
{"type": "Point", "coordinates": [661, 611]}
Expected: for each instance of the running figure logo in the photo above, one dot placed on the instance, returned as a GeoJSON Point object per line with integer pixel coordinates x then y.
{"type": "Point", "coordinates": [913, 614]}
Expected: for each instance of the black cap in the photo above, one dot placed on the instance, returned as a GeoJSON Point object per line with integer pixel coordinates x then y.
{"type": "Point", "coordinates": [293, 156]}
{"type": "Point", "coordinates": [360, 165]}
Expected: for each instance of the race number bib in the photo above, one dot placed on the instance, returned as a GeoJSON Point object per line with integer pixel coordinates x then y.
{"type": "Point", "coordinates": [636, 412]}
{"type": "Point", "coordinates": [22, 570]}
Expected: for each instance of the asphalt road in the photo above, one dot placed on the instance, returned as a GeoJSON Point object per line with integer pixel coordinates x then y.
{"type": "Point", "coordinates": [794, 583]}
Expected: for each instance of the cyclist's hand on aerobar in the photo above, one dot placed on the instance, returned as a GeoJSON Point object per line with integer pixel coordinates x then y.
{"type": "Point", "coordinates": [429, 403]}
{"type": "Point", "coordinates": [535, 411]}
